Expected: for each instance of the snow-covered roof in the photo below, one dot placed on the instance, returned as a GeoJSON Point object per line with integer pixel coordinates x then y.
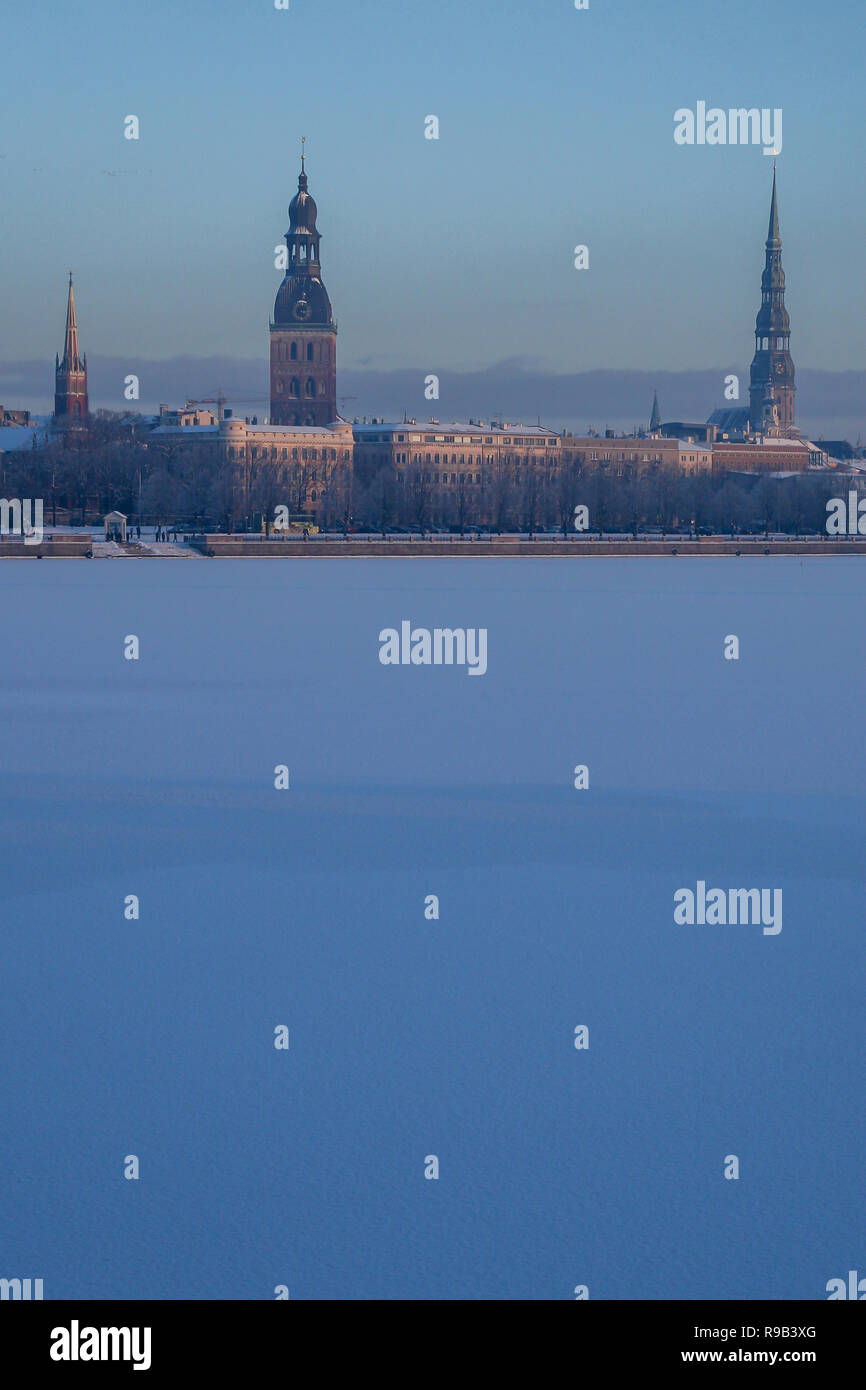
{"type": "Point", "coordinates": [14, 438]}
{"type": "Point", "coordinates": [452, 427]}
{"type": "Point", "coordinates": [183, 430]}
{"type": "Point", "coordinates": [327, 431]}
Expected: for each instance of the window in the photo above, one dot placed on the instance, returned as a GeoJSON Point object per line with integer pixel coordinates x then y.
{"type": "Point", "coordinates": [294, 388]}
{"type": "Point", "coordinates": [294, 352]}
{"type": "Point", "coordinates": [309, 352]}
{"type": "Point", "coordinates": [310, 388]}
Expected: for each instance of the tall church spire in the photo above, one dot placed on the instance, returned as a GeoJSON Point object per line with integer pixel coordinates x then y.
{"type": "Point", "coordinates": [71, 354]}
{"type": "Point", "coordinates": [773, 230]}
{"type": "Point", "coordinates": [655, 418]}
{"type": "Point", "coordinates": [70, 376]}
{"type": "Point", "coordinates": [771, 390]}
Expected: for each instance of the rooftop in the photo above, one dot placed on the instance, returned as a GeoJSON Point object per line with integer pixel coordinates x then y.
{"type": "Point", "coordinates": [438, 427]}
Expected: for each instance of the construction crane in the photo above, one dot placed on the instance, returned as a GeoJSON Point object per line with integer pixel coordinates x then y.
{"type": "Point", "coordinates": [219, 400]}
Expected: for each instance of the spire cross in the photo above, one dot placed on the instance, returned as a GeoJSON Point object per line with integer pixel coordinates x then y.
{"type": "Point", "coordinates": [303, 142]}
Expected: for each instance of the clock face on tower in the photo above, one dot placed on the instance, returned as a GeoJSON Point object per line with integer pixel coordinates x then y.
{"type": "Point", "coordinates": [780, 367]}
{"type": "Point", "coordinates": [301, 310]}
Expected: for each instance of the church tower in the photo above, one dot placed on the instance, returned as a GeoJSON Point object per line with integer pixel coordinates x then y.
{"type": "Point", "coordinates": [771, 389]}
{"type": "Point", "coordinates": [303, 332]}
{"type": "Point", "coordinates": [70, 375]}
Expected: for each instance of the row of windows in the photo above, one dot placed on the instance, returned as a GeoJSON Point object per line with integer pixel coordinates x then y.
{"type": "Point", "coordinates": [299, 249]}
{"type": "Point", "coordinates": [763, 344]}
{"type": "Point", "coordinates": [514, 441]}
{"type": "Point", "coordinates": [292, 352]}
{"type": "Point", "coordinates": [295, 387]}
{"type": "Point", "coordinates": [447, 477]}
{"type": "Point", "coordinates": [298, 454]}
{"type": "Point", "coordinates": [622, 458]}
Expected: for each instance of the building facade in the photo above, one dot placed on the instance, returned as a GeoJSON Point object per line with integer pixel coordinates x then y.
{"type": "Point", "coordinates": [303, 331]}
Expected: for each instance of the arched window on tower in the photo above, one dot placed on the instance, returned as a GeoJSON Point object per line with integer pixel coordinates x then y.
{"type": "Point", "coordinates": [294, 387]}
{"type": "Point", "coordinates": [309, 352]}
{"type": "Point", "coordinates": [294, 352]}
{"type": "Point", "coordinates": [310, 388]}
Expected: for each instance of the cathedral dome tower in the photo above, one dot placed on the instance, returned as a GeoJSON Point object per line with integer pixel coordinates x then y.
{"type": "Point", "coordinates": [303, 332]}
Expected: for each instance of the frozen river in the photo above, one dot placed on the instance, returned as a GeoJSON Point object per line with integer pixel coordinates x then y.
{"type": "Point", "coordinates": [413, 1035]}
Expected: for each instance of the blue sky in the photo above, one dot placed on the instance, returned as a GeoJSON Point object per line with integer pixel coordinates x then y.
{"type": "Point", "coordinates": [556, 129]}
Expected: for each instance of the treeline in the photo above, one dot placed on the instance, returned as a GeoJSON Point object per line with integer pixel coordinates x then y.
{"type": "Point", "coordinates": [513, 499]}
{"type": "Point", "coordinates": [114, 465]}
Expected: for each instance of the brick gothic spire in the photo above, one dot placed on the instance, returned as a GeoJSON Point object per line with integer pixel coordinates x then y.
{"type": "Point", "coordinates": [303, 332]}
{"type": "Point", "coordinates": [771, 391]}
{"type": "Point", "coordinates": [70, 375]}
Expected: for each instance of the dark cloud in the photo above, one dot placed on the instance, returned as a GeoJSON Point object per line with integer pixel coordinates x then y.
{"type": "Point", "coordinates": [828, 403]}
